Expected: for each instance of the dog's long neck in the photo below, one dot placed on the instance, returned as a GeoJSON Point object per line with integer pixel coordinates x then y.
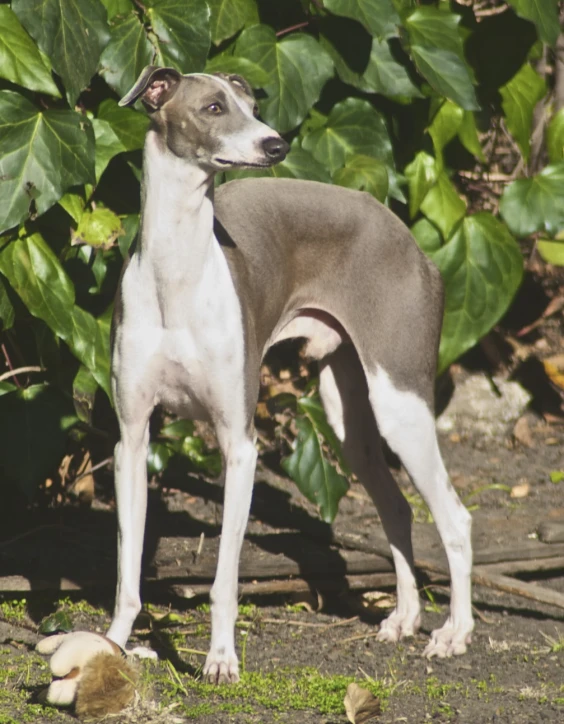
{"type": "Point", "coordinates": [176, 234]}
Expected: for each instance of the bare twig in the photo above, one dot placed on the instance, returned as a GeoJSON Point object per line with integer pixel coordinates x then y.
{"type": "Point", "coordinates": [20, 371]}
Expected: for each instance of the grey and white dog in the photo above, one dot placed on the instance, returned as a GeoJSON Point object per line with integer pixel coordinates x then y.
{"type": "Point", "coordinates": [201, 302]}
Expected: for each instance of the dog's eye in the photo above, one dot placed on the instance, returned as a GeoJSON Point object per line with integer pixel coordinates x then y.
{"type": "Point", "coordinates": [215, 108]}
{"type": "Point", "coordinates": [255, 110]}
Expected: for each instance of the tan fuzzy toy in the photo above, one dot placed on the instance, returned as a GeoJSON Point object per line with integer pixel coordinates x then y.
{"type": "Point", "coordinates": [91, 672]}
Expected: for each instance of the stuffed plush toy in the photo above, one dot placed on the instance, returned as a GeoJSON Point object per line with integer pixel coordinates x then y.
{"type": "Point", "coordinates": [91, 672]}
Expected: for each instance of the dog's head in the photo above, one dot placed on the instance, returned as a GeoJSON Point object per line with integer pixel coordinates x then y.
{"type": "Point", "coordinates": [209, 120]}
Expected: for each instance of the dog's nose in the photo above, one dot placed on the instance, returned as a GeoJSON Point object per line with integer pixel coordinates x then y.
{"type": "Point", "coordinates": [275, 148]}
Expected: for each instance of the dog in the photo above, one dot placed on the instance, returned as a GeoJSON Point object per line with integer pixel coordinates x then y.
{"type": "Point", "coordinates": [214, 283]}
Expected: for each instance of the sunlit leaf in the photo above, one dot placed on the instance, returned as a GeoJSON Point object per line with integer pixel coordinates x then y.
{"type": "Point", "coordinates": [363, 173]}
{"type": "Point", "coordinates": [229, 16]}
{"type": "Point", "coordinates": [537, 203]}
{"type": "Point", "coordinates": [443, 206]}
{"type": "Point", "coordinates": [520, 97]}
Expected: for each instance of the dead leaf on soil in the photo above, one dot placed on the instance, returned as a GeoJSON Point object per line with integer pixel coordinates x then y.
{"type": "Point", "coordinates": [554, 368]}
{"type": "Point", "coordinates": [378, 599]}
{"type": "Point", "coordinates": [520, 491]}
{"type": "Point", "coordinates": [522, 432]}
{"type": "Point", "coordinates": [360, 704]}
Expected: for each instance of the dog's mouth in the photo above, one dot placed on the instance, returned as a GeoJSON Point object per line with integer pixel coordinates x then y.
{"type": "Point", "coordinates": [226, 163]}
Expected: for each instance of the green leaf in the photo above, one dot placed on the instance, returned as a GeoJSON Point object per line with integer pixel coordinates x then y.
{"type": "Point", "coordinates": [117, 7]}
{"type": "Point", "coordinates": [555, 137]}
{"type": "Point", "coordinates": [72, 33]}
{"type": "Point", "coordinates": [353, 127]}
{"type": "Point", "coordinates": [90, 343]}
{"type": "Point", "coordinates": [227, 63]}
{"type": "Point", "coordinates": [314, 475]}
{"type": "Point", "coordinates": [84, 388]}
{"type": "Point", "coordinates": [73, 204]}
{"type": "Point", "coordinates": [379, 17]}
{"type": "Point", "coordinates": [421, 176]}
{"type": "Point", "coordinates": [36, 275]}
{"type": "Point", "coordinates": [445, 126]}
{"type": "Point", "coordinates": [117, 130]}
{"type": "Point", "coordinates": [55, 623]}
{"type": "Point", "coordinates": [298, 68]}
{"type": "Point", "coordinates": [544, 14]}
{"type": "Point", "coordinates": [551, 251]}
{"type": "Point", "coordinates": [182, 30]}
{"type": "Point", "coordinates": [482, 267]}
{"type": "Point", "coordinates": [313, 408]}
{"type": "Point", "coordinates": [177, 430]}
{"type": "Point", "coordinates": [365, 174]}
{"type": "Point", "coordinates": [229, 16]}
{"type": "Point", "coordinates": [556, 476]}
{"type": "Point", "coordinates": [468, 134]}
{"type": "Point", "coordinates": [99, 227]}
{"type": "Point", "coordinates": [33, 424]}
{"type": "Point", "coordinates": [520, 97]}
{"type": "Point", "coordinates": [158, 457]}
{"type": "Point", "coordinates": [7, 313]}
{"type": "Point", "coordinates": [537, 203]}
{"type": "Point", "coordinates": [127, 53]}
{"type": "Point", "coordinates": [427, 236]}
{"type": "Point", "coordinates": [443, 206]}
{"type": "Point", "coordinates": [447, 74]}
{"type": "Point", "coordinates": [20, 60]}
{"type": "Point", "coordinates": [194, 449]}
{"type": "Point", "coordinates": [44, 153]}
{"type": "Point", "coordinates": [437, 49]}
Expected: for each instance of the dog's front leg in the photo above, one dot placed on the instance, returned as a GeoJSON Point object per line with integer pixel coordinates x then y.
{"type": "Point", "coordinates": [240, 457]}
{"type": "Point", "coordinates": [131, 499]}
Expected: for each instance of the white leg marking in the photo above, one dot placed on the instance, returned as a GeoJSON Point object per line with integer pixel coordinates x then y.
{"type": "Point", "coordinates": [407, 424]}
{"type": "Point", "coordinates": [131, 499]}
{"type": "Point", "coordinates": [222, 665]}
{"type": "Point", "coordinates": [345, 398]}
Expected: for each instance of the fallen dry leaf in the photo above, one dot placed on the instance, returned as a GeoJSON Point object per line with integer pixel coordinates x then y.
{"type": "Point", "coordinates": [554, 368]}
{"type": "Point", "coordinates": [360, 704]}
{"type": "Point", "coordinates": [522, 432]}
{"type": "Point", "coordinates": [520, 491]}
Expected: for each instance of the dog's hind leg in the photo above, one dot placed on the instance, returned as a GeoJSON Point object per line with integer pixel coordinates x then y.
{"type": "Point", "coordinates": [407, 423]}
{"type": "Point", "coordinates": [345, 397]}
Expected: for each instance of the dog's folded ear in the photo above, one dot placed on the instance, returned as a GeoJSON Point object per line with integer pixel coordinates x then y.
{"type": "Point", "coordinates": [238, 81]}
{"type": "Point", "coordinates": [155, 86]}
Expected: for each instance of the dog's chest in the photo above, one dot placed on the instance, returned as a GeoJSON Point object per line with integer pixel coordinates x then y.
{"type": "Point", "coordinates": [186, 335]}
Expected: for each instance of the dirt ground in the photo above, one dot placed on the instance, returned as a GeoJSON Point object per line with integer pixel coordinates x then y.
{"type": "Point", "coordinates": [297, 660]}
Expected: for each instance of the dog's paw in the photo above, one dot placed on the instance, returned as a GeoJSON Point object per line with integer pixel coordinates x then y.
{"type": "Point", "coordinates": [399, 626]}
{"type": "Point", "coordinates": [221, 668]}
{"type": "Point", "coordinates": [142, 652]}
{"type": "Point", "coordinates": [449, 641]}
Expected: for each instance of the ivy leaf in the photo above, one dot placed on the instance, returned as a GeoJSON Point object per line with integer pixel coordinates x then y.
{"type": "Point", "coordinates": [314, 475]}
{"type": "Point", "coordinates": [544, 14]}
{"type": "Point", "coordinates": [227, 63]}
{"type": "Point", "coordinates": [421, 176]}
{"type": "Point", "coordinates": [482, 267]}
{"type": "Point", "coordinates": [127, 53]}
{"type": "Point", "coordinates": [468, 134]}
{"type": "Point", "coordinates": [353, 127]}
{"type": "Point", "coordinates": [7, 313]}
{"type": "Point", "coordinates": [33, 434]}
{"type": "Point", "coordinates": [99, 227]}
{"type": "Point", "coordinates": [443, 206]}
{"type": "Point", "coordinates": [445, 125]}
{"type": "Point", "coordinates": [427, 236]}
{"type": "Point", "coordinates": [447, 74]}
{"type": "Point", "coordinates": [551, 251]}
{"type": "Point", "coordinates": [90, 343]}
{"type": "Point", "coordinates": [117, 130]}
{"type": "Point", "coordinates": [365, 174]}
{"type": "Point", "coordinates": [555, 137]}
{"type": "Point", "coordinates": [437, 49]}
{"type": "Point", "coordinates": [72, 33]}
{"type": "Point", "coordinates": [84, 388]}
{"type": "Point", "coordinates": [182, 33]}
{"type": "Point", "coordinates": [45, 153]}
{"type": "Point", "coordinates": [520, 97]}
{"type": "Point", "coordinates": [379, 17]}
{"type": "Point", "coordinates": [298, 68]}
{"type": "Point", "coordinates": [537, 203]}
{"type": "Point", "coordinates": [117, 7]}
{"type": "Point", "coordinates": [20, 60]}
{"type": "Point", "coordinates": [229, 16]}
{"type": "Point", "coordinates": [36, 275]}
